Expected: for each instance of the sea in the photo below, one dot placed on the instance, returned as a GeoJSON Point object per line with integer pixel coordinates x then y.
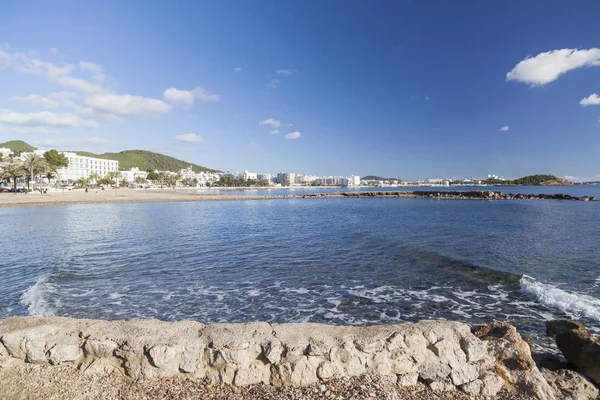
{"type": "Point", "coordinates": [340, 261]}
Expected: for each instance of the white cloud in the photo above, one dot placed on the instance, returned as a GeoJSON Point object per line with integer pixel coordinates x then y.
{"type": "Point", "coordinates": [285, 72]}
{"type": "Point", "coordinates": [238, 69]}
{"type": "Point", "coordinates": [80, 84]}
{"type": "Point", "coordinates": [253, 143]}
{"type": "Point", "coordinates": [293, 135]}
{"type": "Point", "coordinates": [95, 69]}
{"type": "Point", "coordinates": [591, 100]}
{"type": "Point", "coordinates": [270, 121]}
{"type": "Point", "coordinates": [45, 118]}
{"type": "Point", "coordinates": [35, 130]}
{"type": "Point", "coordinates": [53, 100]}
{"type": "Point", "coordinates": [189, 138]}
{"type": "Point", "coordinates": [126, 104]}
{"type": "Point", "coordinates": [30, 64]}
{"type": "Point", "coordinates": [504, 128]}
{"type": "Point", "coordinates": [70, 143]}
{"type": "Point", "coordinates": [186, 98]}
{"type": "Point", "coordinates": [273, 84]}
{"type": "Point", "coordinates": [274, 131]}
{"type": "Point", "coordinates": [427, 98]}
{"type": "Point", "coordinates": [547, 67]}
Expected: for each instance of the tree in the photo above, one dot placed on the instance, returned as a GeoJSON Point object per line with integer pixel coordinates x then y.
{"type": "Point", "coordinates": [81, 182]}
{"type": "Point", "coordinates": [14, 171]}
{"type": "Point", "coordinates": [50, 175]}
{"type": "Point", "coordinates": [56, 159]}
{"type": "Point", "coordinates": [153, 176]}
{"type": "Point", "coordinates": [139, 180]}
{"type": "Point", "coordinates": [106, 181]}
{"type": "Point", "coordinates": [93, 178]}
{"type": "Point", "coordinates": [35, 165]}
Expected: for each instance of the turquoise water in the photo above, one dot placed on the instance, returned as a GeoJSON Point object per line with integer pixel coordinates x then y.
{"type": "Point", "coordinates": [337, 261]}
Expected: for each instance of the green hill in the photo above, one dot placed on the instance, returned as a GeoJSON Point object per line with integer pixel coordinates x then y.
{"type": "Point", "coordinates": [18, 146]}
{"type": "Point", "coordinates": [377, 178]}
{"type": "Point", "coordinates": [146, 161]}
{"type": "Point", "coordinates": [532, 180]}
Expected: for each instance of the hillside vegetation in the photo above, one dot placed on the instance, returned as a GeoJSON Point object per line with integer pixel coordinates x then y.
{"type": "Point", "coordinates": [377, 178]}
{"type": "Point", "coordinates": [147, 161]}
{"type": "Point", "coordinates": [18, 146]}
{"type": "Point", "coordinates": [532, 180]}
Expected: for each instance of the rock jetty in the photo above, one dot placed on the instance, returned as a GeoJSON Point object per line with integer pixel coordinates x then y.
{"type": "Point", "coordinates": [444, 355]}
{"type": "Point", "coordinates": [450, 194]}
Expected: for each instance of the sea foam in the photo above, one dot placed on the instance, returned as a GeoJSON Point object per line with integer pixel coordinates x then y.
{"type": "Point", "coordinates": [36, 298]}
{"type": "Point", "coordinates": [574, 304]}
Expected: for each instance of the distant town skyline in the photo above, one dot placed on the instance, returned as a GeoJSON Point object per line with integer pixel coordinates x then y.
{"type": "Point", "coordinates": [464, 89]}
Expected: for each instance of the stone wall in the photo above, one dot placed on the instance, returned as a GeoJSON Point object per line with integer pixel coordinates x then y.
{"type": "Point", "coordinates": [444, 354]}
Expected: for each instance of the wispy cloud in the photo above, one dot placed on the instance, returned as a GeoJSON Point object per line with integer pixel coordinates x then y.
{"type": "Point", "coordinates": [186, 98]}
{"type": "Point", "coordinates": [70, 143]}
{"type": "Point", "coordinates": [253, 143]}
{"type": "Point", "coordinates": [52, 101]}
{"type": "Point", "coordinates": [293, 135]}
{"type": "Point", "coordinates": [274, 131]}
{"type": "Point", "coordinates": [273, 84]}
{"type": "Point", "coordinates": [285, 72]}
{"type": "Point", "coordinates": [547, 67]}
{"type": "Point", "coordinates": [504, 128]}
{"type": "Point", "coordinates": [189, 138]}
{"type": "Point", "coordinates": [591, 100]}
{"type": "Point", "coordinates": [272, 122]}
{"type": "Point", "coordinates": [45, 118]}
{"type": "Point", "coordinates": [238, 69]}
{"type": "Point", "coordinates": [126, 104]}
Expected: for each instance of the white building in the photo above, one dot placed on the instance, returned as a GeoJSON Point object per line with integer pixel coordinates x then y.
{"type": "Point", "coordinates": [288, 178]}
{"type": "Point", "coordinates": [5, 152]}
{"type": "Point", "coordinates": [129, 176]}
{"type": "Point", "coordinates": [354, 180]}
{"type": "Point", "coordinates": [264, 177]}
{"type": "Point", "coordinates": [83, 167]}
{"type": "Point", "coordinates": [249, 175]}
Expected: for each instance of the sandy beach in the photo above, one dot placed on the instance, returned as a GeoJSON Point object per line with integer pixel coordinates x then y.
{"type": "Point", "coordinates": [123, 195]}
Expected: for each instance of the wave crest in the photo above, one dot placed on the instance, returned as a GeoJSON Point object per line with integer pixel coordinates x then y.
{"type": "Point", "coordinates": [574, 304]}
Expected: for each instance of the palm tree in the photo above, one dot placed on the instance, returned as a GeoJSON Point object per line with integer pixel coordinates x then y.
{"type": "Point", "coordinates": [94, 177]}
{"type": "Point", "coordinates": [50, 174]}
{"type": "Point", "coordinates": [81, 182]}
{"type": "Point", "coordinates": [35, 165]}
{"type": "Point", "coordinates": [14, 171]}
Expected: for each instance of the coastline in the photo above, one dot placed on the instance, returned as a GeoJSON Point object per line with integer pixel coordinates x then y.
{"type": "Point", "coordinates": [126, 195]}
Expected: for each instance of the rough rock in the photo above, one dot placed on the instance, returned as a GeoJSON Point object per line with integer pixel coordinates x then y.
{"type": "Point", "coordinates": [444, 354]}
{"type": "Point", "coordinates": [513, 360]}
{"type": "Point", "coordinates": [579, 347]}
{"type": "Point", "coordinates": [570, 385]}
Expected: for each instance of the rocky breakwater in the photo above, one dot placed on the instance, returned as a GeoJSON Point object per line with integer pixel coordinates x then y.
{"type": "Point", "coordinates": [450, 194]}
{"type": "Point", "coordinates": [445, 355]}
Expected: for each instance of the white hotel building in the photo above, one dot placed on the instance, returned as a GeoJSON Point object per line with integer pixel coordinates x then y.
{"type": "Point", "coordinates": [83, 167]}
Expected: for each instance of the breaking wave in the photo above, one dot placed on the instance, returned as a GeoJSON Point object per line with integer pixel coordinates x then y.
{"type": "Point", "coordinates": [575, 305]}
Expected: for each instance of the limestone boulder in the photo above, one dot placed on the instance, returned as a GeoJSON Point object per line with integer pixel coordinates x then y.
{"type": "Point", "coordinates": [570, 385]}
{"type": "Point", "coordinates": [579, 347]}
{"type": "Point", "coordinates": [513, 361]}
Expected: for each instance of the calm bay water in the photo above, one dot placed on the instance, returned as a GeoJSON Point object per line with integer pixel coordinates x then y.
{"type": "Point", "coordinates": [338, 261]}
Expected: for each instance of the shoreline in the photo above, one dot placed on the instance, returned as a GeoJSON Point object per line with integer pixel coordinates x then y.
{"type": "Point", "coordinates": [174, 195]}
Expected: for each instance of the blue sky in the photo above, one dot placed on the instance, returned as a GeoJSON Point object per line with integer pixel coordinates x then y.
{"type": "Point", "coordinates": [411, 89]}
